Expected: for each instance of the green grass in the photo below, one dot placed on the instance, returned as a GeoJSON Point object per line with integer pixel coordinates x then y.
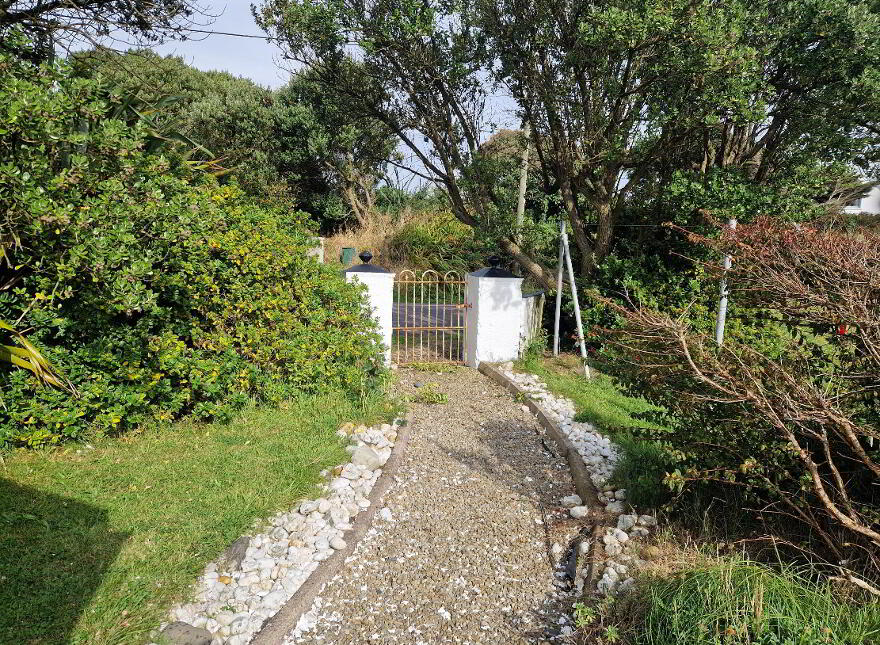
{"type": "Point", "coordinates": [97, 542]}
{"type": "Point", "coordinates": [597, 400]}
{"type": "Point", "coordinates": [737, 602]}
{"type": "Point", "coordinates": [429, 395]}
{"type": "Point", "coordinates": [437, 368]}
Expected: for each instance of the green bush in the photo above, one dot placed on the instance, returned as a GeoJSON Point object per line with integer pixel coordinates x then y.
{"type": "Point", "coordinates": [441, 243]}
{"type": "Point", "coordinates": [156, 292]}
{"type": "Point", "coordinates": [785, 411]}
{"type": "Point", "coordinates": [738, 602]}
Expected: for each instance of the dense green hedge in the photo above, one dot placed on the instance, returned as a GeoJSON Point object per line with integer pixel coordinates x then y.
{"type": "Point", "coordinates": [156, 292]}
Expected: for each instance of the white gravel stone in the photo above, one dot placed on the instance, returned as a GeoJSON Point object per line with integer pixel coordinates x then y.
{"type": "Point", "coordinates": [626, 522]}
{"type": "Point", "coordinates": [579, 512]}
{"type": "Point", "coordinates": [570, 501]}
{"type": "Point", "coordinates": [234, 605]}
{"type": "Point", "coordinates": [368, 458]}
{"type": "Point", "coordinates": [621, 536]}
{"type": "Point", "coordinates": [338, 543]}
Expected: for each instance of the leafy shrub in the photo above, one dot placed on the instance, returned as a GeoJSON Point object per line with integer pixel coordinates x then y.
{"type": "Point", "coordinates": [642, 469]}
{"type": "Point", "coordinates": [786, 409]}
{"type": "Point", "coordinates": [439, 242]}
{"type": "Point", "coordinates": [737, 602]}
{"type": "Point", "coordinates": [156, 292]}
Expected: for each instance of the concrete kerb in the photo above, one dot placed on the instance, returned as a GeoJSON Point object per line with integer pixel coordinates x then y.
{"type": "Point", "coordinates": [283, 622]}
{"type": "Point", "coordinates": [580, 476]}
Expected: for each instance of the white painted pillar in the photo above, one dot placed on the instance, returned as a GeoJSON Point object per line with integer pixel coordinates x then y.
{"type": "Point", "coordinates": [495, 317]}
{"type": "Point", "coordinates": [380, 294]}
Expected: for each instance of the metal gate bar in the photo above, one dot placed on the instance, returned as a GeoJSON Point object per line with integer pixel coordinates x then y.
{"type": "Point", "coordinates": [428, 320]}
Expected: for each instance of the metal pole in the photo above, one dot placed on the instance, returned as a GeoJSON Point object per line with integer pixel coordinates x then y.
{"type": "Point", "coordinates": [722, 304]}
{"type": "Point", "coordinates": [558, 291]}
{"type": "Point", "coordinates": [574, 297]}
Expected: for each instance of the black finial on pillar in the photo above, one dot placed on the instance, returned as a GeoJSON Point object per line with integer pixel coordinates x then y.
{"type": "Point", "coordinates": [366, 267]}
{"type": "Point", "coordinates": [494, 270]}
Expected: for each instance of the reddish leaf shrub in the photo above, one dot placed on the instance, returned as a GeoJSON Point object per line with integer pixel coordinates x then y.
{"type": "Point", "coordinates": [787, 410]}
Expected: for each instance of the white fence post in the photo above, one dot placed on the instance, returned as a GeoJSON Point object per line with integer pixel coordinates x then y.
{"type": "Point", "coordinates": [317, 250]}
{"type": "Point", "coordinates": [722, 303]}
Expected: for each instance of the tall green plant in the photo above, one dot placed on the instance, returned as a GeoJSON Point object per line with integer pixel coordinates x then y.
{"type": "Point", "coordinates": [737, 602]}
{"type": "Point", "coordinates": [26, 356]}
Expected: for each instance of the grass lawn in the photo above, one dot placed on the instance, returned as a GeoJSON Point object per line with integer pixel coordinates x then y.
{"type": "Point", "coordinates": [597, 400]}
{"type": "Point", "coordinates": [96, 542]}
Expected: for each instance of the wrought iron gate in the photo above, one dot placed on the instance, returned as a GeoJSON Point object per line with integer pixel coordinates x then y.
{"type": "Point", "coordinates": [428, 320]}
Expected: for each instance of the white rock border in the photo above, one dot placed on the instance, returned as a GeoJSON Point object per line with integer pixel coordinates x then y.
{"type": "Point", "coordinates": [259, 574]}
{"type": "Point", "coordinates": [600, 456]}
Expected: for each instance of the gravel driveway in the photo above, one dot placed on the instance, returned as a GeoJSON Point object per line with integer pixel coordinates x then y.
{"type": "Point", "coordinates": [461, 553]}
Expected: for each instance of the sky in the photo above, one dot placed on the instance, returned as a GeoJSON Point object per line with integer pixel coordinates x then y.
{"type": "Point", "coordinates": [253, 58]}
{"type": "Point", "coordinates": [260, 61]}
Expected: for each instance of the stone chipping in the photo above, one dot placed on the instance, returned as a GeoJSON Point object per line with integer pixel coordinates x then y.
{"type": "Point", "coordinates": [619, 555]}
{"type": "Point", "coordinates": [469, 546]}
{"type": "Point", "coordinates": [259, 573]}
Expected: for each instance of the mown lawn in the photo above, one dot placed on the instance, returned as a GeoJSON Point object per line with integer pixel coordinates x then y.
{"type": "Point", "coordinates": [97, 541]}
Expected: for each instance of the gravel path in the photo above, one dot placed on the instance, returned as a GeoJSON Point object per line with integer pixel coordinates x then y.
{"type": "Point", "coordinates": [461, 553]}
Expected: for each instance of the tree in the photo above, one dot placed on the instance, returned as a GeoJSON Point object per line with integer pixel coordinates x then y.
{"type": "Point", "coordinates": [421, 74]}
{"type": "Point", "coordinates": [233, 118]}
{"type": "Point", "coordinates": [47, 22]}
{"type": "Point", "coordinates": [336, 158]}
{"type": "Point", "coordinates": [294, 143]}
{"type": "Point", "coordinates": [621, 94]}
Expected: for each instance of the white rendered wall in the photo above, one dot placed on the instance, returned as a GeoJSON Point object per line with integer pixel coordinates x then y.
{"type": "Point", "coordinates": [380, 292]}
{"type": "Point", "coordinates": [870, 203]}
{"type": "Point", "coordinates": [494, 320]}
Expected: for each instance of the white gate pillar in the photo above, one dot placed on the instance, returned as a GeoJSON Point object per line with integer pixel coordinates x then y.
{"type": "Point", "coordinates": [495, 315]}
{"type": "Point", "coordinates": [380, 295]}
